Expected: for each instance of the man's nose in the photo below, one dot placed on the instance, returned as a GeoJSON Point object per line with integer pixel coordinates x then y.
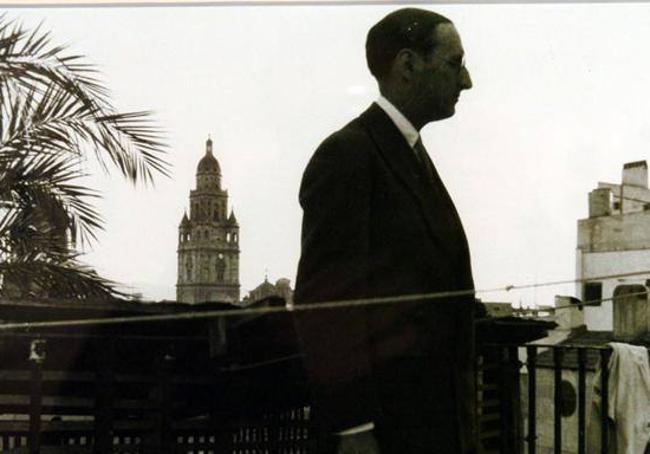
{"type": "Point", "coordinates": [465, 79]}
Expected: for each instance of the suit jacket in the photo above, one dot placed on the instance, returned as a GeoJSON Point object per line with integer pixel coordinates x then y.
{"type": "Point", "coordinates": [375, 225]}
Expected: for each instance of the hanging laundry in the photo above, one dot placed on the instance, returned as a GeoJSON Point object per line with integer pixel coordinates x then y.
{"type": "Point", "coordinates": [628, 402]}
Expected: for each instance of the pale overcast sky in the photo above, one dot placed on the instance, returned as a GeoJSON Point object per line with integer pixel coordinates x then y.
{"type": "Point", "coordinates": [561, 100]}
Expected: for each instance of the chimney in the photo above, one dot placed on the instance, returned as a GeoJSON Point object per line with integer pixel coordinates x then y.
{"type": "Point", "coordinates": [600, 202]}
{"type": "Point", "coordinates": [636, 174]}
{"type": "Point", "coordinates": [568, 318]}
{"type": "Point", "coordinates": [630, 312]}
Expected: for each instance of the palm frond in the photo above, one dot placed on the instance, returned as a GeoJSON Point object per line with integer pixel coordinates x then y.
{"type": "Point", "coordinates": [54, 112]}
{"type": "Point", "coordinates": [46, 184]}
{"type": "Point", "coordinates": [66, 278]}
{"type": "Point", "coordinates": [32, 69]}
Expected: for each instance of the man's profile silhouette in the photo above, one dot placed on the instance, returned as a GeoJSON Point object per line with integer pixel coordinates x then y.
{"type": "Point", "coordinates": [378, 222]}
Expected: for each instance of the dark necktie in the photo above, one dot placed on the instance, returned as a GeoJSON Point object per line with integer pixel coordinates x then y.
{"type": "Point", "coordinates": [425, 162]}
{"type": "Point", "coordinates": [438, 188]}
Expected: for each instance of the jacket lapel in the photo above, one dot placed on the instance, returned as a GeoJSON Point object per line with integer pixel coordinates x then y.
{"type": "Point", "coordinates": [394, 149]}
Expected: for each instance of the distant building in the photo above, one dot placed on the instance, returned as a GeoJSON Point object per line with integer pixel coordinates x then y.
{"type": "Point", "coordinates": [495, 309]}
{"type": "Point", "coordinates": [208, 241]}
{"type": "Point", "coordinates": [282, 289]}
{"type": "Point", "coordinates": [615, 239]}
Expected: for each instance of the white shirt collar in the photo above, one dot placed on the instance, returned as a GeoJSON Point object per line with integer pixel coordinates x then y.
{"type": "Point", "coordinates": [403, 124]}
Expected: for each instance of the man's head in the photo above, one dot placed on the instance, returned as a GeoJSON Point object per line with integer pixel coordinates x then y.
{"type": "Point", "coordinates": [417, 58]}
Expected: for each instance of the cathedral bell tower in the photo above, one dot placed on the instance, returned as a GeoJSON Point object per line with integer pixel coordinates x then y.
{"type": "Point", "coordinates": [208, 241]}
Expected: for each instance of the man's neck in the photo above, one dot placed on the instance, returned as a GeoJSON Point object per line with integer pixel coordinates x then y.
{"type": "Point", "coordinates": [406, 106]}
{"type": "Point", "coordinates": [403, 124]}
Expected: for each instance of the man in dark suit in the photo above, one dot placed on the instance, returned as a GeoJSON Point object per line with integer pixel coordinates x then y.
{"type": "Point", "coordinates": [378, 222]}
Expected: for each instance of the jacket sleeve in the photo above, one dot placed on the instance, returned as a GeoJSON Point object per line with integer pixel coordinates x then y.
{"type": "Point", "coordinates": [334, 265]}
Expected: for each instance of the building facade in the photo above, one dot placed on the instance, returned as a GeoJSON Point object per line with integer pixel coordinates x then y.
{"type": "Point", "coordinates": [208, 241]}
{"type": "Point", "coordinates": [615, 239]}
{"type": "Point", "coordinates": [282, 289]}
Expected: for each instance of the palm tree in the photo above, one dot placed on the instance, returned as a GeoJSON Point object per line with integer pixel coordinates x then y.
{"type": "Point", "coordinates": [54, 112]}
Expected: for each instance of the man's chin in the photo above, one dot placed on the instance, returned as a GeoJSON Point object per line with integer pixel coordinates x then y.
{"type": "Point", "coordinates": [447, 112]}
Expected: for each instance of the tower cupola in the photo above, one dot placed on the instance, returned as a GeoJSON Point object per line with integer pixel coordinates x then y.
{"type": "Point", "coordinates": [208, 171]}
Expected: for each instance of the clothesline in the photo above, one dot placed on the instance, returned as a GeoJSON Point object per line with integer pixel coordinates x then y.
{"type": "Point", "coordinates": [339, 304]}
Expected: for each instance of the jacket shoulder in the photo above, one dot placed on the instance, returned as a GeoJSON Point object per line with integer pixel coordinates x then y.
{"type": "Point", "coordinates": [353, 138]}
{"type": "Point", "coordinates": [344, 157]}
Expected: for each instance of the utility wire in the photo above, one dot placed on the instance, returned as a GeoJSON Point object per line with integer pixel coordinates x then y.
{"type": "Point", "coordinates": [339, 304]}
{"type": "Point", "coordinates": [593, 302]}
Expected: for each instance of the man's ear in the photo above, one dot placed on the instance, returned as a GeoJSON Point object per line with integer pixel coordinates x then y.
{"type": "Point", "coordinates": [405, 64]}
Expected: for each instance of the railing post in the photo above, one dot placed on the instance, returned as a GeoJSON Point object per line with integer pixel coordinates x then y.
{"type": "Point", "coordinates": [222, 425]}
{"type": "Point", "coordinates": [532, 398]}
{"type": "Point", "coordinates": [104, 396]}
{"type": "Point", "coordinates": [558, 355]}
{"type": "Point", "coordinates": [164, 435]}
{"type": "Point", "coordinates": [517, 434]}
{"type": "Point", "coordinates": [604, 396]}
{"type": "Point", "coordinates": [36, 358]}
{"type": "Point", "coordinates": [582, 360]}
{"type": "Point", "coordinates": [510, 400]}
{"type": "Point", "coordinates": [274, 433]}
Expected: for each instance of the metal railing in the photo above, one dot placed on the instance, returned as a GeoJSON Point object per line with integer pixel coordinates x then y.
{"type": "Point", "coordinates": [522, 426]}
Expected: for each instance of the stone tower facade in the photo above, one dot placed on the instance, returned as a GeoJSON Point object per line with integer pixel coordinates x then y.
{"type": "Point", "coordinates": [208, 241]}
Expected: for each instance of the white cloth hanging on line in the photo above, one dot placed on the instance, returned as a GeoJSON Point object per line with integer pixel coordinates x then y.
{"type": "Point", "coordinates": [628, 402]}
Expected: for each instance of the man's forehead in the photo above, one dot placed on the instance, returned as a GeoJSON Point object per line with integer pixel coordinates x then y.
{"type": "Point", "coordinates": [448, 40]}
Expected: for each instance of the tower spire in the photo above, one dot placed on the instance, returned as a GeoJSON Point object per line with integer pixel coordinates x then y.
{"type": "Point", "coordinates": [208, 145]}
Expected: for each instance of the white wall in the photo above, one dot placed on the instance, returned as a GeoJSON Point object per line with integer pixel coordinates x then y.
{"type": "Point", "coordinates": [593, 264]}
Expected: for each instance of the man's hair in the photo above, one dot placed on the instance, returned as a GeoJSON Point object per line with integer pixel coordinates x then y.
{"type": "Point", "coordinates": [408, 28]}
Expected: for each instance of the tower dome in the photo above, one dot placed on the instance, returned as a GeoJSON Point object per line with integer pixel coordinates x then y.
{"type": "Point", "coordinates": [208, 163]}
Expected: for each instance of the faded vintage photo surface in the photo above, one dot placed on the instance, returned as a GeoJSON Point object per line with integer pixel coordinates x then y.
{"type": "Point", "coordinates": [151, 161]}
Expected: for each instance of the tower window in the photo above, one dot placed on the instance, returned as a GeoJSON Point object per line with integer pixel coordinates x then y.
{"type": "Point", "coordinates": [221, 268]}
{"type": "Point", "coordinates": [189, 268]}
